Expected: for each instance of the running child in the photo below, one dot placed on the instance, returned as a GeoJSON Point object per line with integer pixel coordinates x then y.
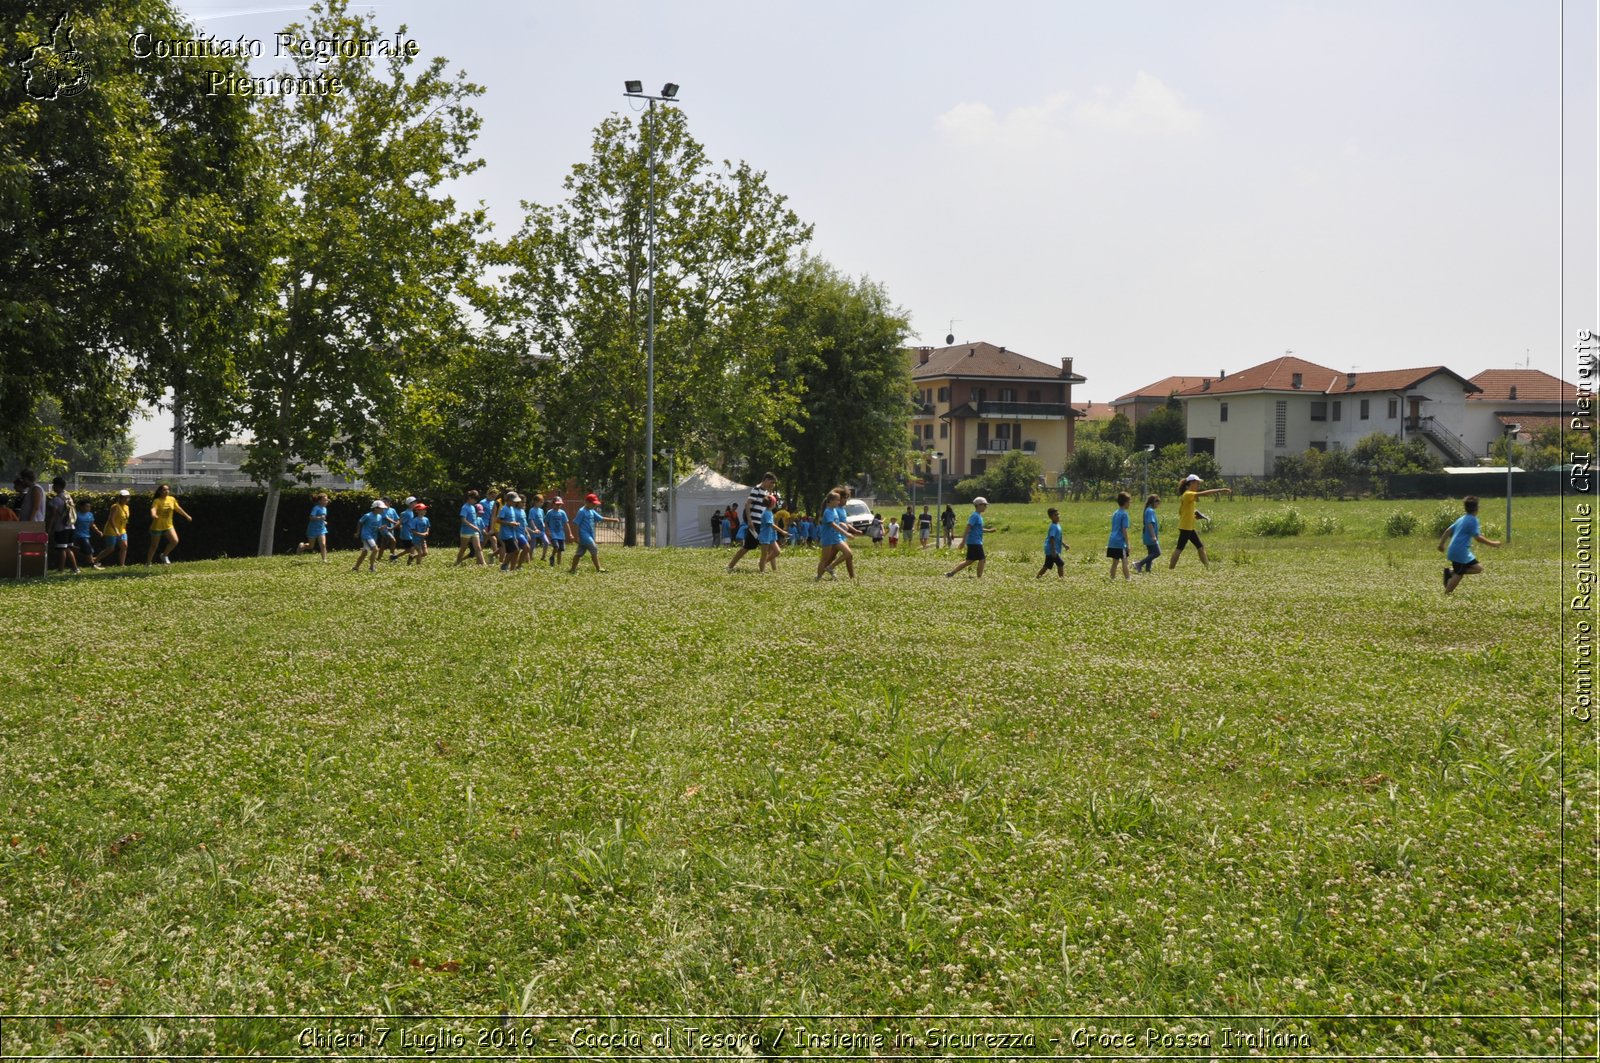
{"type": "Point", "coordinates": [368, 530]}
{"type": "Point", "coordinates": [85, 527]}
{"type": "Point", "coordinates": [834, 530]}
{"type": "Point", "coordinates": [1150, 534]}
{"type": "Point", "coordinates": [512, 540]}
{"type": "Point", "coordinates": [768, 537]}
{"type": "Point", "coordinates": [535, 526]}
{"type": "Point", "coordinates": [467, 530]}
{"type": "Point", "coordinates": [316, 527]}
{"type": "Point", "coordinates": [116, 537]}
{"type": "Point", "coordinates": [973, 537]}
{"type": "Point", "coordinates": [1053, 547]}
{"type": "Point", "coordinates": [401, 529]}
{"type": "Point", "coordinates": [1117, 546]}
{"type": "Point", "coordinates": [1461, 535]}
{"type": "Point", "coordinates": [420, 525]}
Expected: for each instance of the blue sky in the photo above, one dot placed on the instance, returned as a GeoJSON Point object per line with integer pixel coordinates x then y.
{"type": "Point", "coordinates": [1150, 187]}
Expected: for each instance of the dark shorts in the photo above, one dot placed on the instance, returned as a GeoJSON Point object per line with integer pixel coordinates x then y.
{"type": "Point", "coordinates": [63, 539]}
{"type": "Point", "coordinates": [751, 542]}
{"type": "Point", "coordinates": [974, 551]}
{"type": "Point", "coordinates": [587, 547]}
{"type": "Point", "coordinates": [386, 539]}
{"type": "Point", "coordinates": [1053, 561]}
{"type": "Point", "coordinates": [1461, 568]}
{"type": "Point", "coordinates": [1185, 537]}
{"type": "Point", "coordinates": [1116, 552]}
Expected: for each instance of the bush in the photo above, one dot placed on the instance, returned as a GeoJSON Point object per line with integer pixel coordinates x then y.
{"type": "Point", "coordinates": [1281, 523]}
{"type": "Point", "coordinates": [1439, 520]}
{"type": "Point", "coordinates": [1326, 525]}
{"type": "Point", "coordinates": [1401, 523]}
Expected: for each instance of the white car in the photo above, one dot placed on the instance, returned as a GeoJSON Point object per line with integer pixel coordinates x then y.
{"type": "Point", "coordinates": [858, 515]}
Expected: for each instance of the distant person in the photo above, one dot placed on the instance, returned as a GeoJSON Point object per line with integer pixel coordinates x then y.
{"type": "Point", "coordinates": [61, 521]}
{"type": "Point", "coordinates": [894, 533]}
{"type": "Point", "coordinates": [756, 505]}
{"type": "Point", "coordinates": [1117, 547]}
{"type": "Point", "coordinates": [1053, 546]}
{"type": "Point", "coordinates": [588, 523]}
{"type": "Point", "coordinates": [1187, 526]}
{"type": "Point", "coordinates": [82, 542]}
{"type": "Point", "coordinates": [947, 524]}
{"type": "Point", "coordinates": [400, 529]}
{"type": "Point", "coordinates": [316, 528]}
{"type": "Point", "coordinates": [908, 520]}
{"type": "Point", "coordinates": [768, 535]}
{"type": "Point", "coordinates": [717, 517]}
{"type": "Point", "coordinates": [512, 537]}
{"type": "Point", "coordinates": [162, 508]}
{"type": "Point", "coordinates": [835, 531]}
{"type": "Point", "coordinates": [33, 497]}
{"type": "Point", "coordinates": [420, 525]}
{"type": "Point", "coordinates": [555, 523]}
{"type": "Point", "coordinates": [924, 526]}
{"type": "Point", "coordinates": [875, 529]}
{"type": "Point", "coordinates": [1460, 536]}
{"type": "Point", "coordinates": [368, 529]}
{"type": "Point", "coordinates": [973, 537]}
{"type": "Point", "coordinates": [536, 530]}
{"type": "Point", "coordinates": [116, 531]}
{"type": "Point", "coordinates": [468, 543]}
{"type": "Point", "coordinates": [1150, 534]}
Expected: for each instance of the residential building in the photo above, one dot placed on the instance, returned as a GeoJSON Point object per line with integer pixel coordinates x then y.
{"type": "Point", "coordinates": [1527, 397]}
{"type": "Point", "coordinates": [974, 402]}
{"type": "Point", "coordinates": [1249, 419]}
{"type": "Point", "coordinates": [1135, 404]}
{"type": "Point", "coordinates": [1099, 412]}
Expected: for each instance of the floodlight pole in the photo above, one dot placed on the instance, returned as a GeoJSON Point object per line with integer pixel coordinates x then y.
{"type": "Point", "coordinates": [938, 479]}
{"type": "Point", "coordinates": [1511, 435]}
{"type": "Point", "coordinates": [670, 91]}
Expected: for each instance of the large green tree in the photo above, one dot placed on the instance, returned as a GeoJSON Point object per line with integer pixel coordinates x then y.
{"type": "Point", "coordinates": [1162, 426]}
{"type": "Point", "coordinates": [370, 259]}
{"type": "Point", "coordinates": [125, 197]}
{"type": "Point", "coordinates": [840, 348]}
{"type": "Point", "coordinates": [576, 298]}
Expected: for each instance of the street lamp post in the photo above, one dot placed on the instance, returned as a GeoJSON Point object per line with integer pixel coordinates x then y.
{"type": "Point", "coordinates": [669, 91]}
{"type": "Point", "coordinates": [1511, 437]}
{"type": "Point", "coordinates": [1149, 448]}
{"type": "Point", "coordinates": [938, 479]}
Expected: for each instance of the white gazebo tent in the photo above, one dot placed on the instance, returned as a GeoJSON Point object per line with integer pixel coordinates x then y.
{"type": "Point", "coordinates": [695, 497]}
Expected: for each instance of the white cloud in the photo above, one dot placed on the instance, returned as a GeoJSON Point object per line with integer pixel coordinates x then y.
{"type": "Point", "coordinates": [1147, 107]}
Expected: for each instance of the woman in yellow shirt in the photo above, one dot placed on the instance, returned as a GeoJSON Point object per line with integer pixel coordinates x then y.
{"type": "Point", "coordinates": [162, 507]}
{"type": "Point", "coordinates": [1187, 522]}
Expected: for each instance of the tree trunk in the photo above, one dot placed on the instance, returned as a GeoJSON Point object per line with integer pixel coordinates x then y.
{"type": "Point", "coordinates": [630, 494]}
{"type": "Point", "coordinates": [269, 513]}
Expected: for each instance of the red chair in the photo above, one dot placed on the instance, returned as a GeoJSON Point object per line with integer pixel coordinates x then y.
{"type": "Point", "coordinates": [31, 545]}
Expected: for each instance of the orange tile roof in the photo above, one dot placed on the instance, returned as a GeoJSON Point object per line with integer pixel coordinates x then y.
{"type": "Point", "coordinates": [1278, 375]}
{"type": "Point", "coordinates": [983, 360]}
{"type": "Point", "coordinates": [1533, 385]}
{"type": "Point", "coordinates": [1162, 388]}
{"type": "Point", "coordinates": [1095, 411]}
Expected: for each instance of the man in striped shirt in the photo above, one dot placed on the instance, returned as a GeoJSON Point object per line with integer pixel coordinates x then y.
{"type": "Point", "coordinates": [754, 507]}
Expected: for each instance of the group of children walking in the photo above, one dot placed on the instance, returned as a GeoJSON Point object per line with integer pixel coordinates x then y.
{"type": "Point", "coordinates": [503, 524]}
{"type": "Point", "coordinates": [72, 530]}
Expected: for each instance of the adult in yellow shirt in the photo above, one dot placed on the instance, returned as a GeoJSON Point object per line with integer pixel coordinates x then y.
{"type": "Point", "coordinates": [1186, 518]}
{"type": "Point", "coordinates": [117, 530]}
{"type": "Point", "coordinates": [162, 508]}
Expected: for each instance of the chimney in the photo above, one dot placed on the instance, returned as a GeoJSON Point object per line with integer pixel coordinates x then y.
{"type": "Point", "coordinates": [1222, 375]}
{"type": "Point", "coordinates": [1350, 380]}
{"type": "Point", "coordinates": [1513, 394]}
{"type": "Point", "coordinates": [1294, 381]}
{"type": "Point", "coordinates": [1066, 366]}
{"type": "Point", "coordinates": [972, 352]}
{"type": "Point", "coordinates": [923, 354]}
{"type": "Point", "coordinates": [1002, 350]}
{"type": "Point", "coordinates": [1205, 385]}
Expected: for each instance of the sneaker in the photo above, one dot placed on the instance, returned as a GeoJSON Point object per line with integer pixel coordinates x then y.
{"type": "Point", "coordinates": [1447, 579]}
{"type": "Point", "coordinates": [165, 560]}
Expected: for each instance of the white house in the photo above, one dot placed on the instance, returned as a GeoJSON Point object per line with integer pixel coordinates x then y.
{"type": "Point", "coordinates": [1527, 397]}
{"type": "Point", "coordinates": [1247, 420]}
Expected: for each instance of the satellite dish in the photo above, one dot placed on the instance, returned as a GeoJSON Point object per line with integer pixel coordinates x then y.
{"type": "Point", "coordinates": [949, 341]}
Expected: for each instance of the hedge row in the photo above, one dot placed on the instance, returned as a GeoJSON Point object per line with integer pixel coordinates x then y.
{"type": "Point", "coordinates": [228, 523]}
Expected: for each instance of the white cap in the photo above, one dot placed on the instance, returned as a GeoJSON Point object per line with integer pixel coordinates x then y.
{"type": "Point", "coordinates": [124, 493]}
{"type": "Point", "coordinates": [410, 499]}
{"type": "Point", "coordinates": [1193, 477]}
{"type": "Point", "coordinates": [980, 501]}
{"type": "Point", "coordinates": [378, 504]}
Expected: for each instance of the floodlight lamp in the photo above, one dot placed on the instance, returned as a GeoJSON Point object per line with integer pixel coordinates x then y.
{"type": "Point", "coordinates": [1514, 429]}
{"type": "Point", "coordinates": [669, 90]}
{"type": "Point", "coordinates": [633, 87]}
{"type": "Point", "coordinates": [1149, 448]}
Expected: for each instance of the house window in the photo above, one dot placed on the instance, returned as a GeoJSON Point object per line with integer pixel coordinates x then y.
{"type": "Point", "coordinates": [978, 395]}
{"type": "Point", "coordinates": [1320, 444]}
{"type": "Point", "coordinates": [978, 465]}
{"type": "Point", "coordinates": [944, 429]}
{"type": "Point", "coordinates": [1033, 394]}
{"type": "Point", "coordinates": [1338, 410]}
{"type": "Point", "coordinates": [944, 394]}
{"type": "Point", "coordinates": [1224, 413]}
{"type": "Point", "coordinates": [1008, 394]}
{"type": "Point", "coordinates": [1366, 408]}
{"type": "Point", "coordinates": [1002, 431]}
{"type": "Point", "coordinates": [1281, 424]}
{"type": "Point", "coordinates": [1394, 408]}
{"type": "Point", "coordinates": [1319, 411]}
{"type": "Point", "coordinates": [927, 432]}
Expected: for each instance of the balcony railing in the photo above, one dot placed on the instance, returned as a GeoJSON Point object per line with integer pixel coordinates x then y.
{"type": "Point", "coordinates": [1022, 409]}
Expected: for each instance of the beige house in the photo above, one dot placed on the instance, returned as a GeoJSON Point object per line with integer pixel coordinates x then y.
{"type": "Point", "coordinates": [975, 402]}
{"type": "Point", "coordinates": [1135, 404]}
{"type": "Point", "coordinates": [1530, 398]}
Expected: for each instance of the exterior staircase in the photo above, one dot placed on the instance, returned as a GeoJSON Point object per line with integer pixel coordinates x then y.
{"type": "Point", "coordinates": [1452, 446]}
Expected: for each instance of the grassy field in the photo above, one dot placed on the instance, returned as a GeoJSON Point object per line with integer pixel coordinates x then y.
{"type": "Point", "coordinates": [1303, 783]}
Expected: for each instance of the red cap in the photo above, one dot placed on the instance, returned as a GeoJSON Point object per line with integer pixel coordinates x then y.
{"type": "Point", "coordinates": [592, 499]}
{"type": "Point", "coordinates": [420, 505]}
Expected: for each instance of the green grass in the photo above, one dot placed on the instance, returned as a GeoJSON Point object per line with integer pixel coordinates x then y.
{"type": "Point", "coordinates": [1301, 783]}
